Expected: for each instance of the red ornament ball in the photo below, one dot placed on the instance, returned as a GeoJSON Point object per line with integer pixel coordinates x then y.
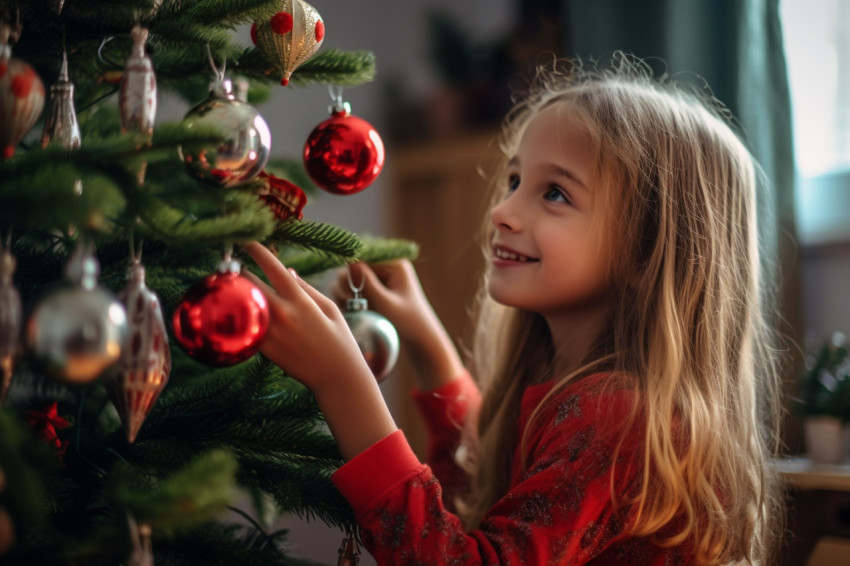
{"type": "Point", "coordinates": [344, 154]}
{"type": "Point", "coordinates": [222, 319]}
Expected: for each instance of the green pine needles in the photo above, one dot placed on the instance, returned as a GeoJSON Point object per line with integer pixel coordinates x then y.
{"type": "Point", "coordinates": [216, 436]}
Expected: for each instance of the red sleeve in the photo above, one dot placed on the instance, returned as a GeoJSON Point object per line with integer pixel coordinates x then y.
{"type": "Point", "coordinates": [446, 411]}
{"type": "Point", "coordinates": [558, 512]}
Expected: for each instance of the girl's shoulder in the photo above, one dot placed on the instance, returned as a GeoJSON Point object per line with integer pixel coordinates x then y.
{"type": "Point", "coordinates": [602, 404]}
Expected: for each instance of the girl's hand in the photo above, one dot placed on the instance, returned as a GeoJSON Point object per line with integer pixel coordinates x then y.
{"type": "Point", "coordinates": [393, 290]}
{"type": "Point", "coordinates": [309, 339]}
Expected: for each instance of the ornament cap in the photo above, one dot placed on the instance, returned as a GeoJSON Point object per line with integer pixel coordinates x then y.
{"type": "Point", "coordinates": [339, 109]}
{"type": "Point", "coordinates": [357, 304]}
{"type": "Point", "coordinates": [83, 268]}
{"type": "Point", "coordinates": [140, 38]}
{"type": "Point", "coordinates": [222, 89]}
{"type": "Point", "coordinates": [229, 265]}
{"type": "Point", "coordinates": [136, 273]}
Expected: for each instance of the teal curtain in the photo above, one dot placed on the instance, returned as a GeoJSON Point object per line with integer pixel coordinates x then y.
{"type": "Point", "coordinates": [736, 46]}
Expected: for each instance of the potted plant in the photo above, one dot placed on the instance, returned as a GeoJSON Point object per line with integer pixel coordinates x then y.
{"type": "Point", "coordinates": [824, 400]}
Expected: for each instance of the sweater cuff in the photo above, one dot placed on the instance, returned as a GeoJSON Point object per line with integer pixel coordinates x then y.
{"type": "Point", "coordinates": [377, 470]}
{"type": "Point", "coordinates": [448, 406]}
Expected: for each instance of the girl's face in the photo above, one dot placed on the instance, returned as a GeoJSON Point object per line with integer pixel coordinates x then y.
{"type": "Point", "coordinates": [546, 252]}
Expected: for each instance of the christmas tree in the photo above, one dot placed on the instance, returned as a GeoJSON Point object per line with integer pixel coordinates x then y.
{"type": "Point", "coordinates": [107, 462]}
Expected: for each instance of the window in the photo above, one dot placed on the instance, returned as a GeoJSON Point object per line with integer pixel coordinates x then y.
{"type": "Point", "coordinates": [817, 45]}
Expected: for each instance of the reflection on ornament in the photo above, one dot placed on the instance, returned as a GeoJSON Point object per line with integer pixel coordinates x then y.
{"type": "Point", "coordinates": [290, 37]}
{"type": "Point", "coordinates": [60, 121]}
{"type": "Point", "coordinates": [137, 93]}
{"type": "Point", "coordinates": [344, 154]}
{"type": "Point", "coordinates": [286, 199]}
{"type": "Point", "coordinates": [223, 318]}
{"type": "Point", "coordinates": [78, 331]}
{"type": "Point", "coordinates": [242, 154]}
{"type": "Point", "coordinates": [21, 96]}
{"type": "Point", "coordinates": [10, 322]}
{"type": "Point", "coordinates": [145, 363]}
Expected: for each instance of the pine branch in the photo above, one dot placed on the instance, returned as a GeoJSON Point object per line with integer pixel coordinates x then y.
{"type": "Point", "coordinates": [228, 13]}
{"type": "Point", "coordinates": [195, 494]}
{"type": "Point", "coordinates": [373, 250]}
{"type": "Point", "coordinates": [318, 237]}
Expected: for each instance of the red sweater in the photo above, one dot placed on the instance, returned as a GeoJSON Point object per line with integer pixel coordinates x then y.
{"type": "Point", "coordinates": [558, 509]}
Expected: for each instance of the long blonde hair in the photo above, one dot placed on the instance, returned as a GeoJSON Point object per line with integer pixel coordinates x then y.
{"type": "Point", "coordinates": [690, 330]}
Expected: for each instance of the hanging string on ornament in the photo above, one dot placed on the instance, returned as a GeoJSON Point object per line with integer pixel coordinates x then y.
{"type": "Point", "coordinates": [78, 331]}
{"type": "Point", "coordinates": [349, 551]}
{"type": "Point", "coordinates": [140, 537]}
{"type": "Point", "coordinates": [289, 37]}
{"type": "Point", "coordinates": [344, 154]}
{"type": "Point", "coordinates": [376, 336]}
{"type": "Point", "coordinates": [222, 319]}
{"type": "Point", "coordinates": [145, 363]}
{"type": "Point", "coordinates": [11, 318]}
{"type": "Point", "coordinates": [21, 93]}
{"type": "Point", "coordinates": [243, 154]}
{"type": "Point", "coordinates": [60, 121]}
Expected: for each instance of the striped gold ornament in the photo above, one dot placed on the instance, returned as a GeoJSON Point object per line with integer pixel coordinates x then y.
{"type": "Point", "coordinates": [290, 37]}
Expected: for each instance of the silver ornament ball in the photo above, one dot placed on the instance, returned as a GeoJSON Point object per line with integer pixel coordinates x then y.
{"type": "Point", "coordinates": [245, 151]}
{"type": "Point", "coordinates": [77, 331]}
{"type": "Point", "coordinates": [376, 337]}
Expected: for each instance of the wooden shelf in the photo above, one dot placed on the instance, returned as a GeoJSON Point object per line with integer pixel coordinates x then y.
{"type": "Point", "coordinates": [805, 474]}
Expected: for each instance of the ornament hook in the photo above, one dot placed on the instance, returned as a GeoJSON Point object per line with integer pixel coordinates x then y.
{"type": "Point", "coordinates": [219, 73]}
{"type": "Point", "coordinates": [109, 64]}
{"type": "Point", "coordinates": [337, 103]}
{"type": "Point", "coordinates": [356, 289]}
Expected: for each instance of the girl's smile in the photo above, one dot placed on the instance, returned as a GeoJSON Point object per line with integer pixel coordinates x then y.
{"type": "Point", "coordinates": [504, 256]}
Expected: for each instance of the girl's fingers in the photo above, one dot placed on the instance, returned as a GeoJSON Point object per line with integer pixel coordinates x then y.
{"type": "Point", "coordinates": [282, 281]}
{"type": "Point", "coordinates": [328, 307]}
{"type": "Point", "coordinates": [286, 282]}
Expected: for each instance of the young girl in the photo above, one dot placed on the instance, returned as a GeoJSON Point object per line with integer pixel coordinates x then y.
{"type": "Point", "coordinates": [623, 363]}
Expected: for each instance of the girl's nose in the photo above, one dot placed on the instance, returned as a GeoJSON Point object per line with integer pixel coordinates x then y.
{"type": "Point", "coordinates": [504, 215]}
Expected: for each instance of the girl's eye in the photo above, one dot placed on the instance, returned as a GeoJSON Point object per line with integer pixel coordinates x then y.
{"type": "Point", "coordinates": [513, 183]}
{"type": "Point", "coordinates": [556, 194]}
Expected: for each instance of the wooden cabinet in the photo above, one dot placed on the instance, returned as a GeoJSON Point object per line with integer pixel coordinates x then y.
{"type": "Point", "coordinates": [440, 194]}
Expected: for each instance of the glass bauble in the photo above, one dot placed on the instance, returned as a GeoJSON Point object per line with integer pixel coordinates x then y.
{"type": "Point", "coordinates": [242, 154]}
{"type": "Point", "coordinates": [222, 319]}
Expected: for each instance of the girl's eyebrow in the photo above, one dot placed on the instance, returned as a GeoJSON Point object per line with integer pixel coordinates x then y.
{"type": "Point", "coordinates": [555, 170]}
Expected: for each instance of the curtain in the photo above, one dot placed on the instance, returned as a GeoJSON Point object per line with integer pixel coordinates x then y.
{"type": "Point", "coordinates": [736, 46]}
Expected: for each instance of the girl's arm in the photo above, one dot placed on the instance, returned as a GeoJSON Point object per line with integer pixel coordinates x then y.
{"type": "Point", "coordinates": [394, 290]}
{"type": "Point", "coordinates": [309, 338]}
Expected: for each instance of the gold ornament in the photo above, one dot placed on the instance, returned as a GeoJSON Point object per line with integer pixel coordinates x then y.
{"type": "Point", "coordinates": [290, 37]}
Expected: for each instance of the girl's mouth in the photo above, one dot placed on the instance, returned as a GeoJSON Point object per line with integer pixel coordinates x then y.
{"type": "Point", "coordinates": [511, 255]}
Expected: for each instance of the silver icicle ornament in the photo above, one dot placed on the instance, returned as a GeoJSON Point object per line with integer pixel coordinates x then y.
{"type": "Point", "coordinates": [145, 363]}
{"type": "Point", "coordinates": [376, 336]}
{"type": "Point", "coordinates": [137, 93]}
{"type": "Point", "coordinates": [77, 331]}
{"type": "Point", "coordinates": [10, 322]}
{"type": "Point", "coordinates": [60, 121]}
